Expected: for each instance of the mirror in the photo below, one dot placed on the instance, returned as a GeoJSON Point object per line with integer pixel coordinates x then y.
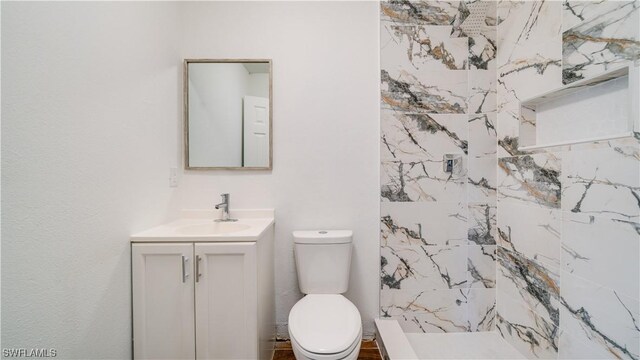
{"type": "Point", "coordinates": [227, 112]}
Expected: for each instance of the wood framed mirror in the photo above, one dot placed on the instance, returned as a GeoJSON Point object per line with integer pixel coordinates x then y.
{"type": "Point", "coordinates": [228, 114]}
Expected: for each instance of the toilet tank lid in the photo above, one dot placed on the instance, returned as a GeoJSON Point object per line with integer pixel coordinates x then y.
{"type": "Point", "coordinates": [322, 236]}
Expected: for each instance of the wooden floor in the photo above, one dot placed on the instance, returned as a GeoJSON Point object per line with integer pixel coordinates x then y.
{"type": "Point", "coordinates": [368, 351]}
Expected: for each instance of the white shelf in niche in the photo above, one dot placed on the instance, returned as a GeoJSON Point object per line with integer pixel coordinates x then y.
{"type": "Point", "coordinates": [600, 108]}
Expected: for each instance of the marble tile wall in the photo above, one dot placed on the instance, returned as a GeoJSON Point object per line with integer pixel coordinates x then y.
{"type": "Point", "coordinates": [438, 230]}
{"type": "Point", "coordinates": [568, 219]}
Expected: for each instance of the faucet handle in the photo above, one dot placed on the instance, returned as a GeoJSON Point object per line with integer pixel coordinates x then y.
{"type": "Point", "coordinates": [225, 201]}
{"type": "Point", "coordinates": [225, 208]}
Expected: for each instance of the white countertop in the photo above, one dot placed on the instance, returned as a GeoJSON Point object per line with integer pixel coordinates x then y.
{"type": "Point", "coordinates": [258, 221]}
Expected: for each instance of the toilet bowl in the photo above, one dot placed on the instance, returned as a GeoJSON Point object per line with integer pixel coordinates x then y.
{"type": "Point", "coordinates": [324, 324]}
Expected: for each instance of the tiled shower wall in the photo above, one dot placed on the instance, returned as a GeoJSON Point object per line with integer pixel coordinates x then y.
{"type": "Point", "coordinates": [438, 230]}
{"type": "Point", "coordinates": [568, 218]}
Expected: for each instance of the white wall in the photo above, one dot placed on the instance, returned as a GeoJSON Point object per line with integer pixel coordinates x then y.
{"type": "Point", "coordinates": [259, 85]}
{"type": "Point", "coordinates": [90, 110]}
{"type": "Point", "coordinates": [91, 105]}
{"type": "Point", "coordinates": [325, 124]}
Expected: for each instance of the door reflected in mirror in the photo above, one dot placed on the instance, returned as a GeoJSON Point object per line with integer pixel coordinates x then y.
{"type": "Point", "coordinates": [227, 114]}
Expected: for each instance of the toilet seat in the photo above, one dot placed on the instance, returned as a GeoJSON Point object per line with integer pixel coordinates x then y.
{"type": "Point", "coordinates": [325, 326]}
{"type": "Point", "coordinates": [349, 354]}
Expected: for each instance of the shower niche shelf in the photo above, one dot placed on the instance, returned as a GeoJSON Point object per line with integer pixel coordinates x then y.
{"type": "Point", "coordinates": [599, 108]}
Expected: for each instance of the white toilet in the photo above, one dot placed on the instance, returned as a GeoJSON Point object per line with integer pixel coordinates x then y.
{"type": "Point", "coordinates": [324, 324]}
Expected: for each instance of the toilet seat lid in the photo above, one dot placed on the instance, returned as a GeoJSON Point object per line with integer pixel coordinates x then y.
{"type": "Point", "coordinates": [324, 323]}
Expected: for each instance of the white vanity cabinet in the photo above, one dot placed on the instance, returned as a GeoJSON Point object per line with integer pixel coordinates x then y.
{"type": "Point", "coordinates": [226, 301]}
{"type": "Point", "coordinates": [203, 299]}
{"type": "Point", "coordinates": [163, 301]}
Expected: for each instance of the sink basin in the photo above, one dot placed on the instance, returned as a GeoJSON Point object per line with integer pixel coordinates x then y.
{"type": "Point", "coordinates": [213, 228]}
{"type": "Point", "coordinates": [199, 226]}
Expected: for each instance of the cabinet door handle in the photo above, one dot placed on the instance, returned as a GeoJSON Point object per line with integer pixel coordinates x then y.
{"type": "Point", "coordinates": [184, 268]}
{"type": "Point", "coordinates": [198, 258]}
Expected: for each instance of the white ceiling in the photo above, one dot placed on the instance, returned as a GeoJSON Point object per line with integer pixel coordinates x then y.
{"type": "Point", "coordinates": [257, 68]}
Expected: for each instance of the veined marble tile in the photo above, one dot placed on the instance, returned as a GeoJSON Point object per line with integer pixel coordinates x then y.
{"type": "Point", "coordinates": [425, 180]}
{"type": "Point", "coordinates": [576, 12]}
{"type": "Point", "coordinates": [464, 15]}
{"type": "Point", "coordinates": [483, 135]}
{"type": "Point", "coordinates": [603, 182]}
{"type": "Point", "coordinates": [504, 9]}
{"type": "Point", "coordinates": [525, 330]}
{"type": "Point", "coordinates": [483, 49]}
{"type": "Point", "coordinates": [440, 310]}
{"type": "Point", "coordinates": [597, 322]}
{"type": "Point", "coordinates": [425, 12]}
{"type": "Point", "coordinates": [506, 96]}
{"type": "Point", "coordinates": [523, 279]}
{"type": "Point", "coordinates": [440, 92]}
{"type": "Point", "coordinates": [423, 223]}
{"type": "Point", "coordinates": [508, 126]}
{"type": "Point", "coordinates": [527, 22]}
{"type": "Point", "coordinates": [482, 224]}
{"type": "Point", "coordinates": [530, 179]}
{"type": "Point", "coordinates": [531, 231]}
{"type": "Point", "coordinates": [481, 309]}
{"type": "Point", "coordinates": [601, 43]}
{"type": "Point", "coordinates": [423, 267]}
{"type": "Point", "coordinates": [602, 250]}
{"type": "Point", "coordinates": [481, 266]}
{"type": "Point", "coordinates": [419, 137]}
{"type": "Point", "coordinates": [482, 180]}
{"type": "Point", "coordinates": [491, 15]}
{"type": "Point", "coordinates": [581, 346]}
{"type": "Point", "coordinates": [426, 311]}
{"type": "Point", "coordinates": [426, 323]}
{"type": "Point", "coordinates": [427, 48]}
{"type": "Point", "coordinates": [482, 91]}
{"type": "Point", "coordinates": [529, 70]}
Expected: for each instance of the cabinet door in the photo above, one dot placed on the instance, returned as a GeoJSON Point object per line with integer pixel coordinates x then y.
{"type": "Point", "coordinates": [163, 301]}
{"type": "Point", "coordinates": [226, 296]}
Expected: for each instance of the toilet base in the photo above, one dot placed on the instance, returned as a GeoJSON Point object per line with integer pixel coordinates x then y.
{"type": "Point", "coordinates": [301, 354]}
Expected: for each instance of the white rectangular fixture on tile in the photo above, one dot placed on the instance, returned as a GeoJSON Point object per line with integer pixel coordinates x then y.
{"type": "Point", "coordinates": [603, 107]}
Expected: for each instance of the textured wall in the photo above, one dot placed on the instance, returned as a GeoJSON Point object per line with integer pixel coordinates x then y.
{"type": "Point", "coordinates": [438, 231]}
{"type": "Point", "coordinates": [568, 217]}
{"type": "Point", "coordinates": [89, 122]}
{"type": "Point", "coordinates": [325, 129]}
{"type": "Point", "coordinates": [92, 121]}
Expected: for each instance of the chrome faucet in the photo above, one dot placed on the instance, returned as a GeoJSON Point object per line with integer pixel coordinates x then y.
{"type": "Point", "coordinates": [224, 205]}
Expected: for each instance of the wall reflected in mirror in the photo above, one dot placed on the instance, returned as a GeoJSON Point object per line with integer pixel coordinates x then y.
{"type": "Point", "coordinates": [228, 114]}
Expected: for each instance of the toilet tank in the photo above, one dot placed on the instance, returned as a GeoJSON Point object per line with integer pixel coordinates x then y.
{"type": "Point", "coordinates": [323, 260]}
